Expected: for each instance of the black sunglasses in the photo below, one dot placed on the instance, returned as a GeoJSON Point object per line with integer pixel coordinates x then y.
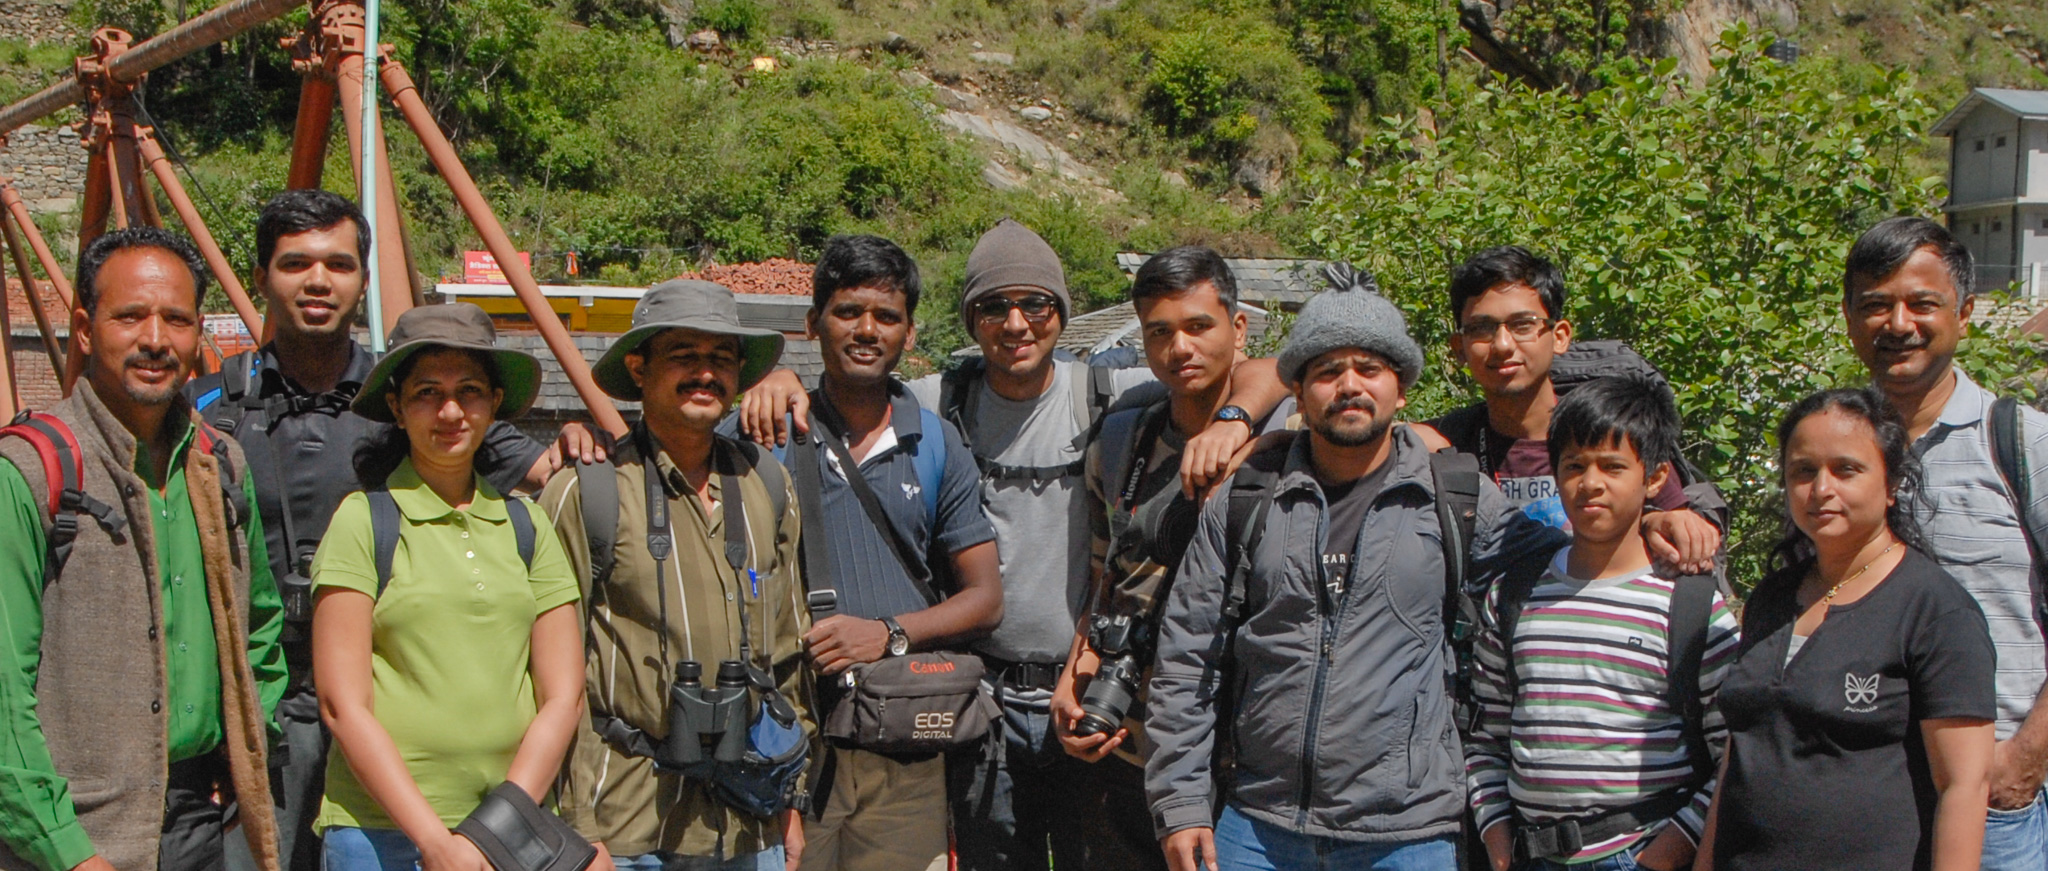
{"type": "Point", "coordinates": [1037, 308]}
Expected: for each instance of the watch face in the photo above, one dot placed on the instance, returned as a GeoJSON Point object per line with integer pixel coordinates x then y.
{"type": "Point", "coordinates": [898, 645]}
{"type": "Point", "coordinates": [1232, 412]}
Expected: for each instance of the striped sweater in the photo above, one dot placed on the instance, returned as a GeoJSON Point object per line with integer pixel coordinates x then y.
{"type": "Point", "coordinates": [1590, 729]}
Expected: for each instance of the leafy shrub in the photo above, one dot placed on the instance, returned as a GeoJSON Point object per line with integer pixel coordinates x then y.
{"type": "Point", "coordinates": [733, 19]}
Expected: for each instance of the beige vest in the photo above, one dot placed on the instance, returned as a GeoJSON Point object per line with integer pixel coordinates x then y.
{"type": "Point", "coordinates": [101, 686]}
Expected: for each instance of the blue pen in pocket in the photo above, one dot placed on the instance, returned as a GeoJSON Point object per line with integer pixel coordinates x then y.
{"type": "Point", "coordinates": [754, 581]}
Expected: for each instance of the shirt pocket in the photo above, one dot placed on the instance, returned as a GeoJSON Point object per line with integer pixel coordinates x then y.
{"type": "Point", "coordinates": [1973, 524]}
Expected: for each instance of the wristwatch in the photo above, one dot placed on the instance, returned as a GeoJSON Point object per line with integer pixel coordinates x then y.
{"type": "Point", "coordinates": [1232, 412]}
{"type": "Point", "coordinates": [899, 642]}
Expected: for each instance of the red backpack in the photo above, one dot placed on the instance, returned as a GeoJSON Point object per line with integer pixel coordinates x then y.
{"type": "Point", "coordinates": [64, 474]}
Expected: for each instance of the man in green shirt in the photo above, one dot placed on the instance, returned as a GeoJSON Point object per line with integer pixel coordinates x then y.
{"type": "Point", "coordinates": [139, 665]}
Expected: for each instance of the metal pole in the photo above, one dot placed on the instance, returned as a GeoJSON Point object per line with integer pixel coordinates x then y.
{"type": "Point", "coordinates": [10, 394]}
{"type": "Point", "coordinates": [11, 198]}
{"type": "Point", "coordinates": [309, 133]}
{"type": "Point", "coordinates": [388, 257]}
{"type": "Point", "coordinates": [219, 23]}
{"type": "Point", "coordinates": [367, 175]}
{"type": "Point", "coordinates": [153, 152]}
{"type": "Point", "coordinates": [449, 165]}
{"type": "Point", "coordinates": [35, 300]}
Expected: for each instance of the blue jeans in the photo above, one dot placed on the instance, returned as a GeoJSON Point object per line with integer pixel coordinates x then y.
{"type": "Point", "coordinates": [1246, 844]}
{"type": "Point", "coordinates": [2017, 839]}
{"type": "Point", "coordinates": [1622, 861]}
{"type": "Point", "coordinates": [660, 860]}
{"type": "Point", "coordinates": [347, 848]}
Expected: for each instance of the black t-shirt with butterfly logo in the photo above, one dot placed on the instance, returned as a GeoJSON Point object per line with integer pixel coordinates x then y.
{"type": "Point", "coordinates": [1827, 768]}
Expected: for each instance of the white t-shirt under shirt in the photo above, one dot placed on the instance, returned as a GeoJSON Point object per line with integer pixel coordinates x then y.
{"type": "Point", "coordinates": [1042, 532]}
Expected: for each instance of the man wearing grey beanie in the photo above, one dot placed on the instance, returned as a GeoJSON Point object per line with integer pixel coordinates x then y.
{"type": "Point", "coordinates": [1027, 413]}
{"type": "Point", "coordinates": [1350, 757]}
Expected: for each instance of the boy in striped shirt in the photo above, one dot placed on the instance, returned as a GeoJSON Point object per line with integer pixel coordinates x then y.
{"type": "Point", "coordinates": [1598, 732]}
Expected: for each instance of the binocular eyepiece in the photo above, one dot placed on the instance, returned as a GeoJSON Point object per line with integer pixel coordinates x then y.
{"type": "Point", "coordinates": [701, 717]}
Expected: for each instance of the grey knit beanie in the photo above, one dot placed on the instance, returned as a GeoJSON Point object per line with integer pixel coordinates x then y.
{"type": "Point", "coordinates": [1351, 314]}
{"type": "Point", "coordinates": [1009, 256]}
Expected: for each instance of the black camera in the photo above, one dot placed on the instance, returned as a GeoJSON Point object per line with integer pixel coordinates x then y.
{"type": "Point", "coordinates": [1110, 695]}
{"type": "Point", "coordinates": [699, 716]}
{"type": "Point", "coordinates": [296, 589]}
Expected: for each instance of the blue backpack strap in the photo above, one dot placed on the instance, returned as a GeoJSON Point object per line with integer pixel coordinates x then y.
{"type": "Point", "coordinates": [386, 525]}
{"type": "Point", "coordinates": [930, 464]}
{"type": "Point", "coordinates": [522, 528]}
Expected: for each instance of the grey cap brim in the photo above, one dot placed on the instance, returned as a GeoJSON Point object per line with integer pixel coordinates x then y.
{"type": "Point", "coordinates": [759, 351]}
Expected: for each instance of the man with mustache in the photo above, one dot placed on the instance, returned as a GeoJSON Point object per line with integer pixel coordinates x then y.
{"type": "Point", "coordinates": [1304, 636]}
{"type": "Point", "coordinates": [286, 404]}
{"type": "Point", "coordinates": [1907, 296]}
{"type": "Point", "coordinates": [139, 661]}
{"type": "Point", "coordinates": [652, 606]}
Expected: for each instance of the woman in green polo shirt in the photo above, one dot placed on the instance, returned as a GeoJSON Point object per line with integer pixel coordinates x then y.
{"type": "Point", "coordinates": [461, 668]}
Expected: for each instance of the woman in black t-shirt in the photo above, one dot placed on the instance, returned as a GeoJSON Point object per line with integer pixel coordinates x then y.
{"type": "Point", "coordinates": [1860, 704]}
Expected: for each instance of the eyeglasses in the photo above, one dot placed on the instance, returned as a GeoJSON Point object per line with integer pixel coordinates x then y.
{"type": "Point", "coordinates": [1037, 308]}
{"type": "Point", "coordinates": [1521, 329]}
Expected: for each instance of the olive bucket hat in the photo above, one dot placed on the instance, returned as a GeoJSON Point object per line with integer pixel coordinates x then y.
{"type": "Point", "coordinates": [687, 304]}
{"type": "Point", "coordinates": [459, 325]}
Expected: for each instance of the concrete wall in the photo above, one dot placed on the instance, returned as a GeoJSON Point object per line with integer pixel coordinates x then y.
{"type": "Point", "coordinates": [46, 165]}
{"type": "Point", "coordinates": [1985, 150]}
{"type": "Point", "coordinates": [2034, 171]}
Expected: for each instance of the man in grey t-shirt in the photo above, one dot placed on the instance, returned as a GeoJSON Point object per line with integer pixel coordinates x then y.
{"type": "Point", "coordinates": [1906, 295]}
{"type": "Point", "coordinates": [1027, 415]}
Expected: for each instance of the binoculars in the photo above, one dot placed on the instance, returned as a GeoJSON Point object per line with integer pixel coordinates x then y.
{"type": "Point", "coordinates": [706, 722]}
{"type": "Point", "coordinates": [1115, 687]}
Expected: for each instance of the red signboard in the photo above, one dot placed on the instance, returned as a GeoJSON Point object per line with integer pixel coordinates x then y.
{"type": "Point", "coordinates": [479, 267]}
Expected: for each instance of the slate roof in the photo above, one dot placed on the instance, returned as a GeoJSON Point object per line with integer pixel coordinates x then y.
{"type": "Point", "coordinates": [1266, 282]}
{"type": "Point", "coordinates": [1117, 326]}
{"type": "Point", "coordinates": [2014, 101]}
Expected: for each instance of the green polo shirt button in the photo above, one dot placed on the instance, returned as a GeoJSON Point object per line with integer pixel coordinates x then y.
{"type": "Point", "coordinates": [156, 707]}
{"type": "Point", "coordinates": [190, 709]}
{"type": "Point", "coordinates": [181, 647]}
{"type": "Point", "coordinates": [152, 633]}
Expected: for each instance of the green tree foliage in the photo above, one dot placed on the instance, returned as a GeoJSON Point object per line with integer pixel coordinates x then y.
{"type": "Point", "coordinates": [1703, 223]}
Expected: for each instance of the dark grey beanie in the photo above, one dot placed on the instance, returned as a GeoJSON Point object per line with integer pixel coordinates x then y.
{"type": "Point", "coordinates": [1351, 314]}
{"type": "Point", "coordinates": [1009, 256]}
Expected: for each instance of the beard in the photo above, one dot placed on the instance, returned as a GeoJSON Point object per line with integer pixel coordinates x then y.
{"type": "Point", "coordinates": [1350, 435]}
{"type": "Point", "coordinates": [152, 394]}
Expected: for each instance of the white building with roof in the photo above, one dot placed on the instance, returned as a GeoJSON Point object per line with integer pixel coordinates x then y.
{"type": "Point", "coordinates": [1998, 185]}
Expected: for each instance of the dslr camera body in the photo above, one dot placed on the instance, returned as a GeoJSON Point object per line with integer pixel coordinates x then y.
{"type": "Point", "coordinates": [1124, 643]}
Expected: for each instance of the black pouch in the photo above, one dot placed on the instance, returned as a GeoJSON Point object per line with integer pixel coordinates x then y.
{"type": "Point", "coordinates": [517, 835]}
{"type": "Point", "coordinates": [919, 703]}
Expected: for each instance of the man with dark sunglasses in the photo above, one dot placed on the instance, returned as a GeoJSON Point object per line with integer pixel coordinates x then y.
{"type": "Point", "coordinates": [1027, 415]}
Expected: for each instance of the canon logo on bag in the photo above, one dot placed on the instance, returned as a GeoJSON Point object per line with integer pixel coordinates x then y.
{"type": "Point", "coordinates": [930, 667]}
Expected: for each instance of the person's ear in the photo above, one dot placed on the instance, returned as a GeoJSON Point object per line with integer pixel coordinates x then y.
{"type": "Point", "coordinates": [636, 369]}
{"type": "Point", "coordinates": [811, 325]}
{"type": "Point", "coordinates": [1965, 309]}
{"type": "Point", "coordinates": [910, 338]}
{"type": "Point", "coordinates": [81, 330]}
{"type": "Point", "coordinates": [1242, 324]}
{"type": "Point", "coordinates": [1655, 482]}
{"type": "Point", "coordinates": [497, 400]}
{"type": "Point", "coordinates": [391, 401]}
{"type": "Point", "coordinates": [1564, 335]}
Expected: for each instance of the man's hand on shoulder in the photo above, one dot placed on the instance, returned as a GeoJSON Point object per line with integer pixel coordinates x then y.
{"type": "Point", "coordinates": [763, 405]}
{"type": "Point", "coordinates": [1207, 457]}
{"type": "Point", "coordinates": [96, 863]}
{"type": "Point", "coordinates": [839, 642]}
{"type": "Point", "coordinates": [1431, 439]}
{"type": "Point", "coordinates": [1682, 540]}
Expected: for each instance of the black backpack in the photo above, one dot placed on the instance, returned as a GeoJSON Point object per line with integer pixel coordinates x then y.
{"type": "Point", "coordinates": [2007, 431]}
{"type": "Point", "coordinates": [959, 404]}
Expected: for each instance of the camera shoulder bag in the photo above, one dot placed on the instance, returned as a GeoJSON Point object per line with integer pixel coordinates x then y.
{"type": "Point", "coordinates": [930, 702]}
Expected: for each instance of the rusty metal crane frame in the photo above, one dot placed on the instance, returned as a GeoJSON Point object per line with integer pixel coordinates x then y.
{"type": "Point", "coordinates": [330, 55]}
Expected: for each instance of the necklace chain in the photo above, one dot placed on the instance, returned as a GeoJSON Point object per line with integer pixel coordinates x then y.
{"type": "Point", "coordinates": [1830, 597]}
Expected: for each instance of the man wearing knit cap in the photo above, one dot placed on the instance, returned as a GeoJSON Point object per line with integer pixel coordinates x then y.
{"type": "Point", "coordinates": [1027, 415]}
{"type": "Point", "coordinates": [1350, 757]}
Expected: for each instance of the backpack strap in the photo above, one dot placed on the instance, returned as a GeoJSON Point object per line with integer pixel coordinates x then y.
{"type": "Point", "coordinates": [522, 528]}
{"type": "Point", "coordinates": [957, 396]}
{"type": "Point", "coordinates": [1456, 477]}
{"type": "Point", "coordinates": [63, 464]}
{"type": "Point", "coordinates": [237, 399]}
{"type": "Point", "coordinates": [929, 461]}
{"type": "Point", "coordinates": [821, 597]}
{"type": "Point", "coordinates": [2007, 430]}
{"type": "Point", "coordinates": [233, 499]}
{"type": "Point", "coordinates": [597, 492]}
{"type": "Point", "coordinates": [1692, 607]}
{"type": "Point", "coordinates": [386, 525]}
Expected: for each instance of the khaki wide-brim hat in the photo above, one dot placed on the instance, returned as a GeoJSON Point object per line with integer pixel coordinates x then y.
{"type": "Point", "coordinates": [455, 325]}
{"type": "Point", "coordinates": [687, 304]}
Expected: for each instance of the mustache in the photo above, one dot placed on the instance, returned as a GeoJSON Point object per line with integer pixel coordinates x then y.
{"type": "Point", "coordinates": [1355, 403]}
{"type": "Point", "coordinates": [156, 358]}
{"type": "Point", "coordinates": [704, 384]}
{"type": "Point", "coordinates": [1900, 343]}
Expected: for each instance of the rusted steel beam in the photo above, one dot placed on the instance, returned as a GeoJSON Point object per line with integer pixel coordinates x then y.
{"type": "Point", "coordinates": [309, 132]}
{"type": "Point", "coordinates": [221, 22]}
{"type": "Point", "coordinates": [16, 253]}
{"type": "Point", "coordinates": [394, 272]}
{"type": "Point", "coordinates": [10, 395]}
{"type": "Point", "coordinates": [26, 225]}
{"type": "Point", "coordinates": [188, 214]}
{"type": "Point", "coordinates": [417, 116]}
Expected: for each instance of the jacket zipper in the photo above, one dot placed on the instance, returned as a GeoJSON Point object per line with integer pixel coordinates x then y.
{"type": "Point", "coordinates": [1324, 631]}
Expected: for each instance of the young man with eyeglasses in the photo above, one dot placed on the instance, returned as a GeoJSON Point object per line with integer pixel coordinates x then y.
{"type": "Point", "coordinates": [1027, 416]}
{"type": "Point", "coordinates": [1509, 306]}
